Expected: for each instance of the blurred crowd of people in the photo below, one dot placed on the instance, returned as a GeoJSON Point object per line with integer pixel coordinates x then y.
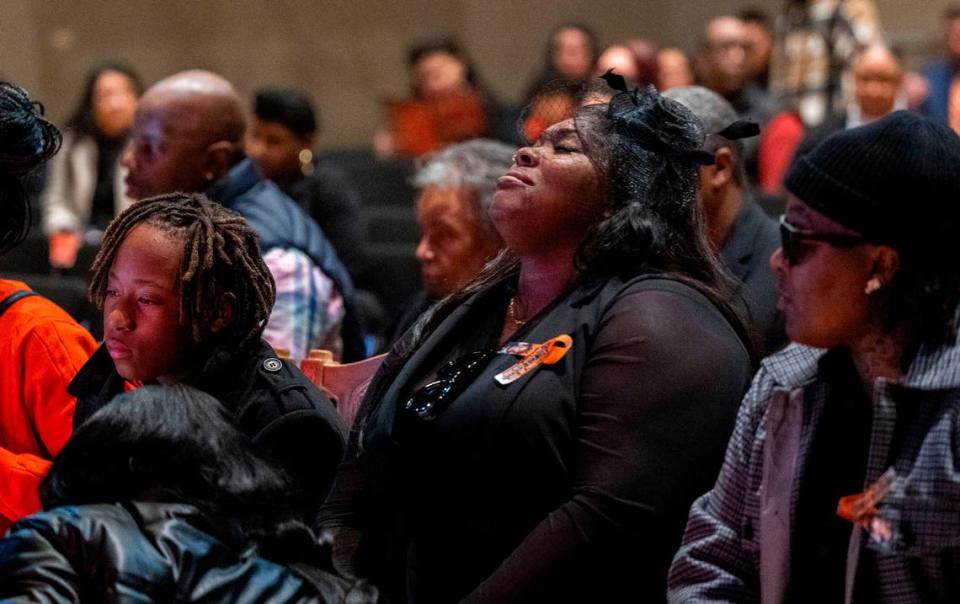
{"type": "Point", "coordinates": [686, 330]}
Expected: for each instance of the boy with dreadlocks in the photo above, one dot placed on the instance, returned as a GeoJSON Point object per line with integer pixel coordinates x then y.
{"type": "Point", "coordinates": [185, 297]}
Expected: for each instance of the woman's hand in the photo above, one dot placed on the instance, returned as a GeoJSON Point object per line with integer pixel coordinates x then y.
{"type": "Point", "coordinates": [64, 246]}
{"type": "Point", "coordinates": [384, 143]}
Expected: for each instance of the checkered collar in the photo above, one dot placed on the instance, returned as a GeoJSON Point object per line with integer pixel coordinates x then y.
{"type": "Point", "coordinates": [931, 369]}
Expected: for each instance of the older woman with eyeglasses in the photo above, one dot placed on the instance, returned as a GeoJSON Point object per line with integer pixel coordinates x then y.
{"type": "Point", "coordinates": [541, 434]}
{"type": "Point", "coordinates": [841, 482]}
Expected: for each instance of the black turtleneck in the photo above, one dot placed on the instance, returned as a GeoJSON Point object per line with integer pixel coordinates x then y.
{"type": "Point", "coordinates": [104, 207]}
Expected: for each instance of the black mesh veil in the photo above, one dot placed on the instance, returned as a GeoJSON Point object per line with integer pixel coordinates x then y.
{"type": "Point", "coordinates": [647, 149]}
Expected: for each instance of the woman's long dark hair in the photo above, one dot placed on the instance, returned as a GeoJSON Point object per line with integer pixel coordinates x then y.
{"type": "Point", "coordinates": [648, 148]}
{"type": "Point", "coordinates": [27, 140]}
{"type": "Point", "coordinates": [177, 444]}
{"type": "Point", "coordinates": [645, 148]}
{"type": "Point", "coordinates": [644, 145]}
{"type": "Point", "coordinates": [82, 120]}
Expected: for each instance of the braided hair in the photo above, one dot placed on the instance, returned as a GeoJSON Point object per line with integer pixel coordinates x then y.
{"type": "Point", "coordinates": [27, 140]}
{"type": "Point", "coordinates": [221, 255]}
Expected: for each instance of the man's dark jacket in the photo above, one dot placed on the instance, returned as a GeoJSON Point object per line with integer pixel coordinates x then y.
{"type": "Point", "coordinates": [746, 254]}
{"type": "Point", "coordinates": [939, 75]}
{"type": "Point", "coordinates": [329, 196]}
{"type": "Point", "coordinates": [280, 222]}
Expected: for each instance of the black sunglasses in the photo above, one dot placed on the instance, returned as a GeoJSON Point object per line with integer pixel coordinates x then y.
{"type": "Point", "coordinates": [430, 400]}
{"type": "Point", "coordinates": [792, 238]}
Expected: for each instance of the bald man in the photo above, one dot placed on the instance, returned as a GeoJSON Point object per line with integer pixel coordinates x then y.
{"type": "Point", "coordinates": [878, 81]}
{"type": "Point", "coordinates": [188, 136]}
{"type": "Point", "coordinates": [878, 77]}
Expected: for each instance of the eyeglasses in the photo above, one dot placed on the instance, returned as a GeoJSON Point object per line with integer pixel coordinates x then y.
{"type": "Point", "coordinates": [725, 46]}
{"type": "Point", "coordinates": [430, 400]}
{"type": "Point", "coordinates": [792, 238]}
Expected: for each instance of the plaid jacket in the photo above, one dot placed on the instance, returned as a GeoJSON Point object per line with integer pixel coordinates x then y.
{"type": "Point", "coordinates": [737, 542]}
{"type": "Point", "coordinates": [812, 60]}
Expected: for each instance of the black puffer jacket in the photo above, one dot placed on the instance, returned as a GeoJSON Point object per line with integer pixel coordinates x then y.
{"type": "Point", "coordinates": [146, 552]}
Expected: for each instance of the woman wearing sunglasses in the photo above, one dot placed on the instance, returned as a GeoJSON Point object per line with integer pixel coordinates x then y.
{"type": "Point", "coordinates": [540, 435]}
{"type": "Point", "coordinates": [841, 482]}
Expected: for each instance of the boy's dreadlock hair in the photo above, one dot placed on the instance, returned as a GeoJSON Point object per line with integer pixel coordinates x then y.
{"type": "Point", "coordinates": [221, 255]}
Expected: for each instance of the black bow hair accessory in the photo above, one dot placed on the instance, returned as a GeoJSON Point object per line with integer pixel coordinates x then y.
{"type": "Point", "coordinates": [740, 129]}
{"type": "Point", "coordinates": [618, 83]}
{"type": "Point", "coordinates": [646, 135]}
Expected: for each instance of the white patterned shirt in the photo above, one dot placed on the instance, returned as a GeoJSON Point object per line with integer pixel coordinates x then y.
{"type": "Point", "coordinates": [309, 310]}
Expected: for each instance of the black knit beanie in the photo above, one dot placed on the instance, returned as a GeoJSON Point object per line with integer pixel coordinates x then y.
{"type": "Point", "coordinates": [895, 181]}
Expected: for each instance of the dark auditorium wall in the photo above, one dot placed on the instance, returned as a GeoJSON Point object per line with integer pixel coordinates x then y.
{"type": "Point", "coordinates": [348, 54]}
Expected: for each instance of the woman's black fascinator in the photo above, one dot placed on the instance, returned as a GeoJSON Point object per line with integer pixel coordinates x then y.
{"type": "Point", "coordinates": [651, 122]}
{"type": "Point", "coordinates": [648, 148]}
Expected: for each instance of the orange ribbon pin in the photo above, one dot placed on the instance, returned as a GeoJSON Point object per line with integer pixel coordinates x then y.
{"type": "Point", "coordinates": [532, 356]}
{"type": "Point", "coordinates": [861, 508]}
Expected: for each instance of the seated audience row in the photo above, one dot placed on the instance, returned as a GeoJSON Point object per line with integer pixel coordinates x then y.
{"type": "Point", "coordinates": [547, 427]}
{"type": "Point", "coordinates": [733, 59]}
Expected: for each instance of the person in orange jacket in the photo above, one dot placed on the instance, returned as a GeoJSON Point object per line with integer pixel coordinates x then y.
{"type": "Point", "coordinates": [42, 347]}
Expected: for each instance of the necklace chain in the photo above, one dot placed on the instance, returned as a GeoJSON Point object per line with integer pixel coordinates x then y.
{"type": "Point", "coordinates": [512, 313]}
